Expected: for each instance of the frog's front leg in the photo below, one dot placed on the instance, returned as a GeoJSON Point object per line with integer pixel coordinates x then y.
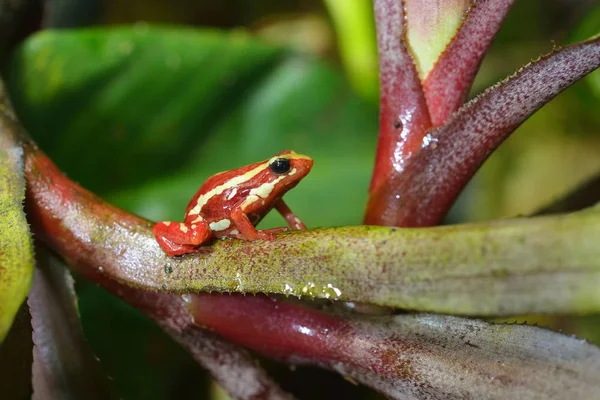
{"type": "Point", "coordinates": [177, 238]}
{"type": "Point", "coordinates": [247, 229]}
{"type": "Point", "coordinates": [292, 220]}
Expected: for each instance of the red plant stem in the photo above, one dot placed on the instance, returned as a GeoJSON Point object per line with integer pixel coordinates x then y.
{"type": "Point", "coordinates": [410, 356]}
{"type": "Point", "coordinates": [403, 115]}
{"type": "Point", "coordinates": [409, 109]}
{"type": "Point", "coordinates": [51, 196]}
{"type": "Point", "coordinates": [437, 174]}
{"type": "Point", "coordinates": [296, 333]}
{"type": "Point", "coordinates": [271, 326]}
{"type": "Point", "coordinates": [229, 365]}
{"type": "Point", "coordinates": [279, 329]}
{"type": "Point", "coordinates": [448, 83]}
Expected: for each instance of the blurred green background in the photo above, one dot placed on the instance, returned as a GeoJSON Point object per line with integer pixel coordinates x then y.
{"type": "Point", "coordinates": [154, 96]}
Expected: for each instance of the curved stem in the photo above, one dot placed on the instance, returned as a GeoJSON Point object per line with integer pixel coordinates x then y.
{"type": "Point", "coordinates": [232, 367]}
{"type": "Point", "coordinates": [505, 267]}
{"type": "Point", "coordinates": [585, 195]}
{"type": "Point", "coordinates": [53, 203]}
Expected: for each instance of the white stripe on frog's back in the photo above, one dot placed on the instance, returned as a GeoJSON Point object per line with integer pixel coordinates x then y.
{"type": "Point", "coordinates": [265, 189]}
{"type": "Point", "coordinates": [261, 192]}
{"type": "Point", "coordinates": [220, 225]}
{"type": "Point", "coordinates": [203, 199]}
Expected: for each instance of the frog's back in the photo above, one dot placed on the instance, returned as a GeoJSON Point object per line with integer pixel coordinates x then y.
{"type": "Point", "coordinates": [222, 184]}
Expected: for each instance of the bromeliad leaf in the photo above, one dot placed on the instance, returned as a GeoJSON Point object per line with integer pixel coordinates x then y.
{"type": "Point", "coordinates": [403, 115]}
{"type": "Point", "coordinates": [411, 356]}
{"type": "Point", "coordinates": [424, 192]}
{"type": "Point", "coordinates": [63, 365]}
{"type": "Point", "coordinates": [448, 81]}
{"type": "Point", "coordinates": [520, 267]}
{"type": "Point", "coordinates": [16, 252]}
{"type": "Point", "coordinates": [430, 26]}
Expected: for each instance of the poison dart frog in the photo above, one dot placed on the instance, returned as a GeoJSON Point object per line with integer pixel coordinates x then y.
{"type": "Point", "coordinates": [232, 203]}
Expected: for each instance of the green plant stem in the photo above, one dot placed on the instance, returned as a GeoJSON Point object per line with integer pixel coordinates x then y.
{"type": "Point", "coordinates": [509, 267]}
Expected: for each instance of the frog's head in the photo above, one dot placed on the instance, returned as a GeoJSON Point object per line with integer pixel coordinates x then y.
{"type": "Point", "coordinates": [287, 168]}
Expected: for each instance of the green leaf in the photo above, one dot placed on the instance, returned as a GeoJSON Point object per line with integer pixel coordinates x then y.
{"type": "Point", "coordinates": [302, 105]}
{"type": "Point", "coordinates": [143, 96]}
{"type": "Point", "coordinates": [16, 253]}
{"type": "Point", "coordinates": [144, 115]}
{"type": "Point", "coordinates": [355, 31]}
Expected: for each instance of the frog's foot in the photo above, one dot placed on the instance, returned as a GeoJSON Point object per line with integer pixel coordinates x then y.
{"type": "Point", "coordinates": [177, 238]}
{"type": "Point", "coordinates": [173, 249]}
{"type": "Point", "coordinates": [269, 234]}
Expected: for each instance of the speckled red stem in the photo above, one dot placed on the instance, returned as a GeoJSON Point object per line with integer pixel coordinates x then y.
{"type": "Point", "coordinates": [52, 197]}
{"type": "Point", "coordinates": [403, 115]}
{"type": "Point", "coordinates": [438, 174]}
{"type": "Point", "coordinates": [408, 109]}
{"type": "Point", "coordinates": [448, 83]}
{"type": "Point", "coordinates": [412, 355]}
{"type": "Point", "coordinates": [298, 334]}
{"type": "Point", "coordinates": [435, 176]}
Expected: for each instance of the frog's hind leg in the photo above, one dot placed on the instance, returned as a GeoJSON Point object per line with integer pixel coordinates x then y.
{"type": "Point", "coordinates": [177, 238]}
{"type": "Point", "coordinates": [173, 249]}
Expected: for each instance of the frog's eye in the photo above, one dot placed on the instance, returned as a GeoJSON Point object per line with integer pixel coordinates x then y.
{"type": "Point", "coordinates": [280, 166]}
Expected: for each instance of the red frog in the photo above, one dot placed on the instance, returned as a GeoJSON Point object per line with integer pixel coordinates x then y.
{"type": "Point", "coordinates": [232, 203]}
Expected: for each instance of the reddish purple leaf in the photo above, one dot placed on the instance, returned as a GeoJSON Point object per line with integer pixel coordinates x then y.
{"type": "Point", "coordinates": [425, 191]}
{"type": "Point", "coordinates": [240, 375]}
{"type": "Point", "coordinates": [64, 366]}
{"type": "Point", "coordinates": [407, 108]}
{"type": "Point", "coordinates": [412, 355]}
{"type": "Point", "coordinates": [447, 84]}
{"type": "Point", "coordinates": [403, 115]}
{"type": "Point", "coordinates": [430, 26]}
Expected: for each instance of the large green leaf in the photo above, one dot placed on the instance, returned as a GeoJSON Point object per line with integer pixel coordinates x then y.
{"type": "Point", "coordinates": [145, 115]}
{"type": "Point", "coordinates": [115, 107]}
{"type": "Point", "coordinates": [16, 253]}
{"type": "Point", "coordinates": [302, 105]}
